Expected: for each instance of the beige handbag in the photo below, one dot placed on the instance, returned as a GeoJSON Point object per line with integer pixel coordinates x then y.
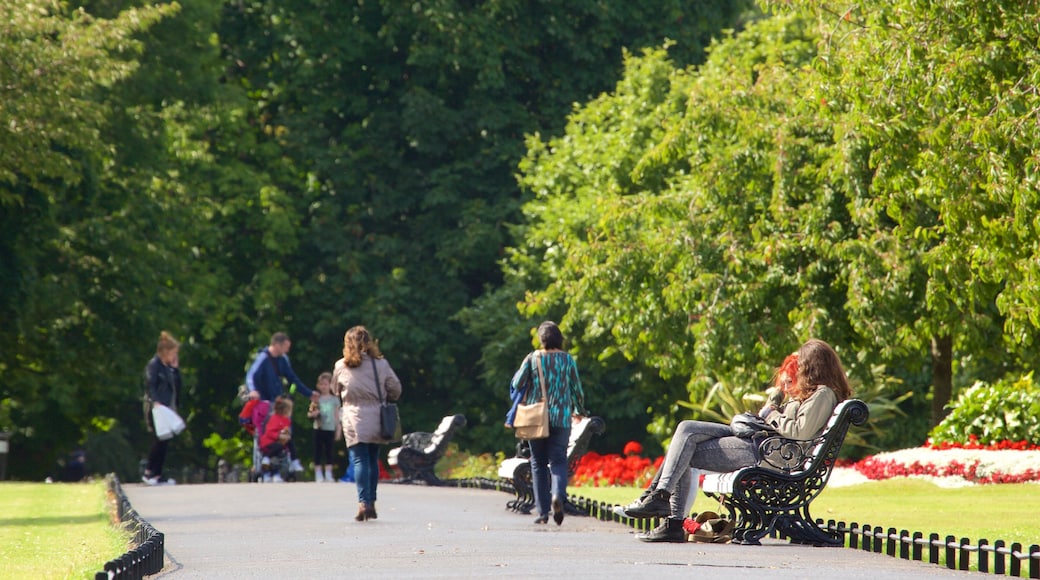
{"type": "Point", "coordinates": [532, 421]}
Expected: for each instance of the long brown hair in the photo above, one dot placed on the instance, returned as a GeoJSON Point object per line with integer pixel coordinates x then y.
{"type": "Point", "coordinates": [818, 365]}
{"type": "Point", "coordinates": [357, 340]}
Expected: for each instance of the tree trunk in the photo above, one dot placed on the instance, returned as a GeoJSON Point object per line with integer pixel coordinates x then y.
{"type": "Point", "coordinates": [942, 376]}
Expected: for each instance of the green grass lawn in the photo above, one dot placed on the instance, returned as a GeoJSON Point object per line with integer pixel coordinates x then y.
{"type": "Point", "coordinates": [992, 512]}
{"type": "Point", "coordinates": [56, 530]}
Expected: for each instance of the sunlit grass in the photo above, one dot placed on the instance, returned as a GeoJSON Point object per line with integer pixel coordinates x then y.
{"type": "Point", "coordinates": [992, 512]}
{"type": "Point", "coordinates": [56, 530]}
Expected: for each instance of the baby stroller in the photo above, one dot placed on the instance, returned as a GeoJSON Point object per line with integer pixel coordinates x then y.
{"type": "Point", "coordinates": [277, 466]}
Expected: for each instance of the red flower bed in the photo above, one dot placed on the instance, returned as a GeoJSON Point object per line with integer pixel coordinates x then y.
{"type": "Point", "coordinates": [629, 469]}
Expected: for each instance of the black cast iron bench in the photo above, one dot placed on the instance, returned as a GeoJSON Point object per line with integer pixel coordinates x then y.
{"type": "Point", "coordinates": [420, 451]}
{"type": "Point", "coordinates": [775, 494]}
{"type": "Point", "coordinates": [518, 469]}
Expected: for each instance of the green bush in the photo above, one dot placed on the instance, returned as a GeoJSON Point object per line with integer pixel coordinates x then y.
{"type": "Point", "coordinates": [992, 414]}
{"type": "Point", "coordinates": [458, 464]}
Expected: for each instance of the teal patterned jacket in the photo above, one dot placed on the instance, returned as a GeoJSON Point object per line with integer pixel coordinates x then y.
{"type": "Point", "coordinates": [563, 386]}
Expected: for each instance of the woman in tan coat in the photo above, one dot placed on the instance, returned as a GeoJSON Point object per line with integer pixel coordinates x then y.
{"type": "Point", "coordinates": [354, 379]}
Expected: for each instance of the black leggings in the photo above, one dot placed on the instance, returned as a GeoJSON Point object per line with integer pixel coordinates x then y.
{"type": "Point", "coordinates": [323, 448]}
{"type": "Point", "coordinates": [157, 455]}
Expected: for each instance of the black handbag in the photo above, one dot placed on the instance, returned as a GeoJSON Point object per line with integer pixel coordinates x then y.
{"type": "Point", "coordinates": [389, 415]}
{"type": "Point", "coordinates": [749, 425]}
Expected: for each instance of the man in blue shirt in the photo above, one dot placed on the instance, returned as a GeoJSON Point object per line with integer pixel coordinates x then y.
{"type": "Point", "coordinates": [268, 376]}
{"type": "Point", "coordinates": [271, 372]}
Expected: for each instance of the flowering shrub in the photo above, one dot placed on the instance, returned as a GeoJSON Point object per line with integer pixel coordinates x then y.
{"type": "Point", "coordinates": [1007, 410]}
{"type": "Point", "coordinates": [629, 469]}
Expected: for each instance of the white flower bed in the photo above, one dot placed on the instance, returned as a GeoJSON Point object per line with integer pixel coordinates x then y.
{"type": "Point", "coordinates": [945, 467]}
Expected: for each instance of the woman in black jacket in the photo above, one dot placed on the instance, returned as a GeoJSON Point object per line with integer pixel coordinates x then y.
{"type": "Point", "coordinates": [163, 378]}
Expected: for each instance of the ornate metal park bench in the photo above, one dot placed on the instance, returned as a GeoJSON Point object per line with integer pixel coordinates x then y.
{"type": "Point", "coordinates": [420, 451]}
{"type": "Point", "coordinates": [518, 469]}
{"type": "Point", "coordinates": [774, 495]}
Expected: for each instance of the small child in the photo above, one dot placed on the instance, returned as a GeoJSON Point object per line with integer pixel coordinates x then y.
{"type": "Point", "coordinates": [277, 436]}
{"type": "Point", "coordinates": [326, 428]}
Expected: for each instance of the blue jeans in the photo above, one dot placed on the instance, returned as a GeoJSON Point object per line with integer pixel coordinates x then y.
{"type": "Point", "coordinates": [365, 459]}
{"type": "Point", "coordinates": [549, 458]}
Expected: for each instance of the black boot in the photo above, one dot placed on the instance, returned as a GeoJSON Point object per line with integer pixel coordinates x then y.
{"type": "Point", "coordinates": [670, 530]}
{"type": "Point", "coordinates": [656, 505]}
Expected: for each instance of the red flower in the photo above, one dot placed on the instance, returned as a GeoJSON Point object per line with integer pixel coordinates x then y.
{"type": "Point", "coordinates": [632, 448]}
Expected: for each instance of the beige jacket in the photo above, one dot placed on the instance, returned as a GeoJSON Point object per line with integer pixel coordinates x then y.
{"type": "Point", "coordinates": [804, 419]}
{"type": "Point", "coordinates": [357, 390]}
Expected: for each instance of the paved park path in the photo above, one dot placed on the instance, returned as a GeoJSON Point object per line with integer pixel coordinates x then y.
{"type": "Point", "coordinates": [306, 530]}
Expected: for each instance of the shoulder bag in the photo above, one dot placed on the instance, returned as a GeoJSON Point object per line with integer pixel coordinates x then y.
{"type": "Point", "coordinates": [532, 421]}
{"type": "Point", "coordinates": [750, 425]}
{"type": "Point", "coordinates": [389, 416]}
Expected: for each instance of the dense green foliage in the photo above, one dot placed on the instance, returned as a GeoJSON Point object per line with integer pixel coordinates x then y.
{"type": "Point", "coordinates": [451, 173]}
{"type": "Point", "coordinates": [227, 170]}
{"type": "Point", "coordinates": [993, 414]}
{"type": "Point", "coordinates": [823, 180]}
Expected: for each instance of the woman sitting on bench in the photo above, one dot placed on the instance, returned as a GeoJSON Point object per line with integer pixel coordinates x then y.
{"type": "Point", "coordinates": [814, 381]}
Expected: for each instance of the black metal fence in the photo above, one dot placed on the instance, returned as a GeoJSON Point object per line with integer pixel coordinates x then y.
{"type": "Point", "coordinates": [149, 549]}
{"type": "Point", "coordinates": [995, 558]}
{"type": "Point", "coordinates": [991, 558]}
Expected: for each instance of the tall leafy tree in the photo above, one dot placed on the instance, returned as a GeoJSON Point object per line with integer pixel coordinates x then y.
{"type": "Point", "coordinates": [679, 221]}
{"type": "Point", "coordinates": [934, 102]}
{"type": "Point", "coordinates": [74, 259]}
{"type": "Point", "coordinates": [400, 126]}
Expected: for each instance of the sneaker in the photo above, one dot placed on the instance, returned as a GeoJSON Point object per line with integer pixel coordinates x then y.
{"type": "Point", "coordinates": [655, 505]}
{"type": "Point", "coordinates": [267, 478]}
{"type": "Point", "coordinates": [328, 476]}
{"type": "Point", "coordinates": [277, 478]}
{"type": "Point", "coordinates": [670, 530]}
{"type": "Point", "coordinates": [295, 465]}
{"type": "Point", "coordinates": [167, 481]}
{"type": "Point", "coordinates": [149, 480]}
{"type": "Point", "coordinates": [622, 510]}
{"type": "Point", "coordinates": [319, 476]}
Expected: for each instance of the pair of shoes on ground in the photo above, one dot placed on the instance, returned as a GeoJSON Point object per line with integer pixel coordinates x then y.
{"type": "Point", "coordinates": [323, 477]}
{"type": "Point", "coordinates": [557, 513]}
{"type": "Point", "coordinates": [557, 510]}
{"type": "Point", "coordinates": [157, 480]}
{"type": "Point", "coordinates": [670, 530]}
{"type": "Point", "coordinates": [366, 511]}
{"type": "Point", "coordinates": [273, 478]}
{"type": "Point", "coordinates": [654, 504]}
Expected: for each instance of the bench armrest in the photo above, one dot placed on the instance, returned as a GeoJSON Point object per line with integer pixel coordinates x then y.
{"type": "Point", "coordinates": [787, 455]}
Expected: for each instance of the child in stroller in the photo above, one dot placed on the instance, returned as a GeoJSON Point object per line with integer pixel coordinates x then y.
{"type": "Point", "coordinates": [276, 443]}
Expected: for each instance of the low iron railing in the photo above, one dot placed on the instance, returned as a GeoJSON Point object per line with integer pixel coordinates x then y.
{"type": "Point", "coordinates": [995, 558]}
{"type": "Point", "coordinates": [147, 556]}
{"type": "Point", "coordinates": [991, 558]}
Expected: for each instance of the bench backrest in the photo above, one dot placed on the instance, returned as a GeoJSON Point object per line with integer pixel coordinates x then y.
{"type": "Point", "coordinates": [819, 454]}
{"type": "Point", "coordinates": [581, 436]}
{"type": "Point", "coordinates": [445, 431]}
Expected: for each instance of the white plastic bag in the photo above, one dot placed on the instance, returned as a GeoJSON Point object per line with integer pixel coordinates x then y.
{"type": "Point", "coordinates": [167, 422]}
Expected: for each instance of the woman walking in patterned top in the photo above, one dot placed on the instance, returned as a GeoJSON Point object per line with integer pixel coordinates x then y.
{"type": "Point", "coordinates": [566, 402]}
